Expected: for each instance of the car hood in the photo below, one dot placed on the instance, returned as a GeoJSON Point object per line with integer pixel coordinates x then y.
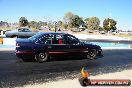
{"type": "Point", "coordinates": [90, 45]}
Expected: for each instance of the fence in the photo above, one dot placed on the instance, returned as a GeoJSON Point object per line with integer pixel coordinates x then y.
{"type": "Point", "coordinates": [8, 41]}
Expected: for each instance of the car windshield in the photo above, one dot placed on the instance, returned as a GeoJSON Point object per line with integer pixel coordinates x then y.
{"type": "Point", "coordinates": [35, 36]}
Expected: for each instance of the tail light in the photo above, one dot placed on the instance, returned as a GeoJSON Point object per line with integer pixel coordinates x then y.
{"type": "Point", "coordinates": [17, 45]}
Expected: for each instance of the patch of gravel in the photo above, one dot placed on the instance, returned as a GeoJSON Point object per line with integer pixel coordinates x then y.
{"type": "Point", "coordinates": [73, 83]}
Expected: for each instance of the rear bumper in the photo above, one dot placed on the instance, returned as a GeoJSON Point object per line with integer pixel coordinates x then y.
{"type": "Point", "coordinates": [25, 54]}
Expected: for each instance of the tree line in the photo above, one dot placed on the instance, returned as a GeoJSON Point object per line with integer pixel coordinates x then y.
{"type": "Point", "coordinates": [69, 21]}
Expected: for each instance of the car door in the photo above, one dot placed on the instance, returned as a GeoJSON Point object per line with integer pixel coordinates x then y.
{"type": "Point", "coordinates": [25, 32]}
{"type": "Point", "coordinates": [21, 32]}
{"type": "Point", "coordinates": [57, 46]}
{"type": "Point", "coordinates": [18, 33]}
{"type": "Point", "coordinates": [76, 48]}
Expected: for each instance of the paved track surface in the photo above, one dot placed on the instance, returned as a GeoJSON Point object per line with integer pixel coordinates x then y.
{"type": "Point", "coordinates": [14, 72]}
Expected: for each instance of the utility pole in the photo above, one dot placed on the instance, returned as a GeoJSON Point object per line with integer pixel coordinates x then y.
{"type": "Point", "coordinates": [110, 15]}
{"type": "Point", "coordinates": [55, 26]}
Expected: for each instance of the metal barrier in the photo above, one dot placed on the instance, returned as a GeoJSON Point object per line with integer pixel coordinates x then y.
{"type": "Point", "coordinates": [1, 40]}
{"type": "Point", "coordinates": [9, 41]}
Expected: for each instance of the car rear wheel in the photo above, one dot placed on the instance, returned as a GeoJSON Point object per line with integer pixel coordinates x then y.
{"type": "Point", "coordinates": [92, 54]}
{"type": "Point", "coordinates": [42, 57]}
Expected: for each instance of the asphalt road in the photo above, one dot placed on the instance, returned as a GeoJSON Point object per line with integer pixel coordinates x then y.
{"type": "Point", "coordinates": [15, 72]}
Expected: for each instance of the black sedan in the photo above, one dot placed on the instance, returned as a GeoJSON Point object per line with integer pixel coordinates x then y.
{"type": "Point", "coordinates": [42, 46]}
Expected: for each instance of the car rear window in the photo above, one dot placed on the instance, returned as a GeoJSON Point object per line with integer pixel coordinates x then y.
{"type": "Point", "coordinates": [35, 36]}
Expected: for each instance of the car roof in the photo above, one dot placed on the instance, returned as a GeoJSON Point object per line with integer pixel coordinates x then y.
{"type": "Point", "coordinates": [55, 33]}
{"type": "Point", "coordinates": [23, 28]}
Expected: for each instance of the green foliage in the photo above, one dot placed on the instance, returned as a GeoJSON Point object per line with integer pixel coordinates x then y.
{"type": "Point", "coordinates": [65, 26]}
{"type": "Point", "coordinates": [109, 24]}
{"type": "Point", "coordinates": [45, 23]}
{"type": "Point", "coordinates": [23, 22]}
{"type": "Point", "coordinates": [67, 18]}
{"type": "Point", "coordinates": [59, 24]}
{"type": "Point", "coordinates": [4, 24]}
{"type": "Point", "coordinates": [50, 24]}
{"type": "Point", "coordinates": [86, 19]}
{"type": "Point", "coordinates": [93, 23]}
{"type": "Point", "coordinates": [76, 22]}
{"type": "Point", "coordinates": [37, 25]}
{"type": "Point", "coordinates": [33, 24]}
{"type": "Point", "coordinates": [69, 21]}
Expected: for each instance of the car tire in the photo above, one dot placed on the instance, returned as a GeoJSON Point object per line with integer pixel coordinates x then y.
{"type": "Point", "coordinates": [84, 82]}
{"type": "Point", "coordinates": [92, 54]}
{"type": "Point", "coordinates": [42, 57]}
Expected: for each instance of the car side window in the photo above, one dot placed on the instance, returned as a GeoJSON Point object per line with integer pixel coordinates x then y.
{"type": "Point", "coordinates": [58, 39]}
{"type": "Point", "coordinates": [55, 39]}
{"type": "Point", "coordinates": [23, 30]}
{"type": "Point", "coordinates": [49, 39]}
{"type": "Point", "coordinates": [19, 30]}
{"type": "Point", "coordinates": [71, 40]}
{"type": "Point", "coordinates": [26, 30]}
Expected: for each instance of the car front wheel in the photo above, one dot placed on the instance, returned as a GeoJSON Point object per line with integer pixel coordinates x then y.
{"type": "Point", "coordinates": [42, 57]}
{"type": "Point", "coordinates": [92, 54]}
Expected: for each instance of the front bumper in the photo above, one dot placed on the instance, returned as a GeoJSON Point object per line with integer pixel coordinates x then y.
{"type": "Point", "coordinates": [99, 53]}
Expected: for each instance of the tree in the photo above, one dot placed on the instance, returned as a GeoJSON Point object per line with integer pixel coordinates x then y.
{"type": "Point", "coordinates": [55, 25]}
{"type": "Point", "coordinates": [59, 24]}
{"type": "Point", "coordinates": [45, 23]}
{"type": "Point", "coordinates": [67, 18]}
{"type": "Point", "coordinates": [93, 23]}
{"type": "Point", "coordinates": [109, 24]}
{"type": "Point", "coordinates": [76, 21]}
{"type": "Point", "coordinates": [4, 24]}
{"type": "Point", "coordinates": [23, 22]}
{"type": "Point", "coordinates": [33, 24]}
{"type": "Point", "coordinates": [50, 24]}
{"type": "Point", "coordinates": [86, 19]}
{"type": "Point", "coordinates": [39, 24]}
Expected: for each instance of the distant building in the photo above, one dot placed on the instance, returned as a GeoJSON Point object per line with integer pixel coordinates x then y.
{"type": "Point", "coordinates": [81, 28]}
{"type": "Point", "coordinates": [44, 28]}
